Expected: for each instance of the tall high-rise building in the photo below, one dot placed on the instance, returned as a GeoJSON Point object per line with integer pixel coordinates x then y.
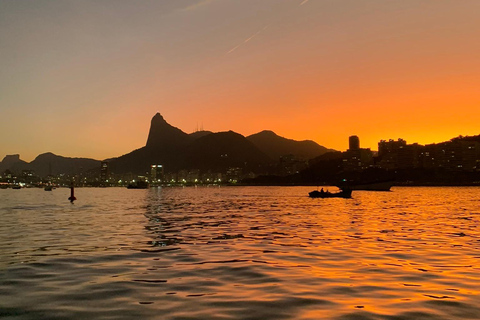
{"type": "Point", "coordinates": [356, 158]}
{"type": "Point", "coordinates": [353, 143]}
{"type": "Point", "coordinates": [104, 171]}
{"type": "Point", "coordinates": [156, 172]}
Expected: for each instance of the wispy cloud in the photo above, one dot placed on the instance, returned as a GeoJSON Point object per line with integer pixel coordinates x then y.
{"type": "Point", "coordinates": [248, 39]}
{"type": "Point", "coordinates": [303, 2]}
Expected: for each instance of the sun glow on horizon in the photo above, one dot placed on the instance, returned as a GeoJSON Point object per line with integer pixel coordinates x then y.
{"type": "Point", "coordinates": [81, 82]}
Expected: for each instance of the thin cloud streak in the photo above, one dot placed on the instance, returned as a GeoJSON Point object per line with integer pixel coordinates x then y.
{"type": "Point", "coordinates": [248, 39]}
{"type": "Point", "coordinates": [255, 34]}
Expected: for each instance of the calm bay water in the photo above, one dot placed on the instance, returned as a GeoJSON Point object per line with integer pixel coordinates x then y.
{"type": "Point", "coordinates": [239, 253]}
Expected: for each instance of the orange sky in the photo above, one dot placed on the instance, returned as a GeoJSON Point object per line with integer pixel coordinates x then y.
{"type": "Point", "coordinates": [84, 78]}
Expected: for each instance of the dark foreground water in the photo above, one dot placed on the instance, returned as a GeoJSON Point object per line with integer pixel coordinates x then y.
{"type": "Point", "coordinates": [239, 253]}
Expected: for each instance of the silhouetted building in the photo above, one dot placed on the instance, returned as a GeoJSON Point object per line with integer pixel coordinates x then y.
{"type": "Point", "coordinates": [458, 154]}
{"type": "Point", "coordinates": [8, 174]}
{"type": "Point", "coordinates": [234, 175]}
{"type": "Point", "coordinates": [289, 164]}
{"type": "Point", "coordinates": [156, 172]}
{"type": "Point", "coordinates": [193, 176]}
{"type": "Point", "coordinates": [471, 155]}
{"type": "Point", "coordinates": [388, 152]}
{"type": "Point", "coordinates": [211, 177]}
{"type": "Point", "coordinates": [454, 155]}
{"type": "Point", "coordinates": [27, 173]}
{"type": "Point", "coordinates": [409, 156]}
{"type": "Point", "coordinates": [390, 146]}
{"type": "Point", "coordinates": [356, 158]}
{"type": "Point", "coordinates": [182, 176]}
{"type": "Point", "coordinates": [170, 177]}
{"type": "Point", "coordinates": [353, 143]}
{"type": "Point", "coordinates": [104, 171]}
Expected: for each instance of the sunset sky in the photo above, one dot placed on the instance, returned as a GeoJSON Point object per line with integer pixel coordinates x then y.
{"type": "Point", "coordinates": [84, 78]}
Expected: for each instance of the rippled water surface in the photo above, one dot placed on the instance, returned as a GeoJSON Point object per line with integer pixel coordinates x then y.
{"type": "Point", "coordinates": [239, 253]}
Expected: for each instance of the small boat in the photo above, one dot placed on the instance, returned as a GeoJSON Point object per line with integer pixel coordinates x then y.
{"type": "Point", "coordinates": [138, 185]}
{"type": "Point", "coordinates": [16, 187]}
{"type": "Point", "coordinates": [344, 193]}
{"type": "Point", "coordinates": [48, 188]}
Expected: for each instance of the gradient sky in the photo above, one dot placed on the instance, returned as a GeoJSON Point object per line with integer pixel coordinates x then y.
{"type": "Point", "coordinates": [84, 78]}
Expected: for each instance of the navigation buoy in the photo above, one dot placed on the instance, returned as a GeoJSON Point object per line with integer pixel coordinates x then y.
{"type": "Point", "coordinates": [72, 194]}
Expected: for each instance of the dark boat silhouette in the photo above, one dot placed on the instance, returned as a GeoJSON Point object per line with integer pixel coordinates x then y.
{"type": "Point", "coordinates": [138, 185]}
{"type": "Point", "coordinates": [344, 193]}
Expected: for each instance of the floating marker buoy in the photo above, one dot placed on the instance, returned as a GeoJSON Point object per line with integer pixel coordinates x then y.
{"type": "Point", "coordinates": [72, 194]}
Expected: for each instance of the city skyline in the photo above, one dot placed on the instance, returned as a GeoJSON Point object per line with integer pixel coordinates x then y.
{"type": "Point", "coordinates": [353, 143]}
{"type": "Point", "coordinates": [82, 79]}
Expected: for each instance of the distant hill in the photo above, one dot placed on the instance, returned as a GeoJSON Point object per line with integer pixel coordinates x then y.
{"type": "Point", "coordinates": [176, 150]}
{"type": "Point", "coordinates": [219, 151]}
{"type": "Point", "coordinates": [12, 162]}
{"type": "Point", "coordinates": [49, 163]}
{"type": "Point", "coordinates": [199, 134]}
{"type": "Point", "coordinates": [276, 146]}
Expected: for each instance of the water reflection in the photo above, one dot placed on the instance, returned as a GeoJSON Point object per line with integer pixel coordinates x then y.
{"type": "Point", "coordinates": [258, 253]}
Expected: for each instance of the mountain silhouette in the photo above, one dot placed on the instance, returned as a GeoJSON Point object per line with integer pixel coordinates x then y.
{"type": "Point", "coordinates": [199, 134]}
{"type": "Point", "coordinates": [276, 146]}
{"type": "Point", "coordinates": [164, 136]}
{"type": "Point", "coordinates": [165, 145]}
{"type": "Point", "coordinates": [49, 163]}
{"type": "Point", "coordinates": [222, 150]}
{"type": "Point", "coordinates": [13, 163]}
{"type": "Point", "coordinates": [177, 150]}
{"type": "Point", "coordinates": [204, 150]}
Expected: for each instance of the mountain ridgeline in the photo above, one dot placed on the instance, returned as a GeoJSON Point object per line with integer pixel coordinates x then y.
{"type": "Point", "coordinates": [275, 146]}
{"type": "Point", "coordinates": [177, 150]}
{"type": "Point", "coordinates": [49, 164]}
{"type": "Point", "coordinates": [205, 150]}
